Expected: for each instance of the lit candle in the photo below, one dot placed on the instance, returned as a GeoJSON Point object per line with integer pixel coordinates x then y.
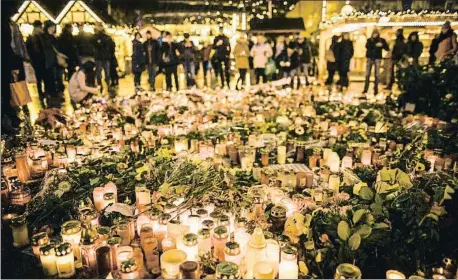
{"type": "Point", "coordinates": [168, 244]}
{"type": "Point", "coordinates": [142, 196]}
{"type": "Point", "coordinates": [146, 231]}
{"type": "Point", "coordinates": [98, 198]}
{"type": "Point", "coordinates": [334, 182]}
{"type": "Point", "coordinates": [170, 263]}
{"type": "Point", "coordinates": [88, 246]}
{"type": "Point", "coordinates": [110, 187]}
{"type": "Point", "coordinates": [281, 154]}
{"type": "Point", "coordinates": [394, 274]}
{"type": "Point", "coordinates": [219, 240]}
{"type": "Point", "coordinates": [65, 261]}
{"type": "Point", "coordinates": [347, 271]}
{"type": "Point", "coordinates": [204, 241]}
{"type": "Point", "coordinates": [20, 231]}
{"type": "Point", "coordinates": [366, 157]}
{"type": "Point", "coordinates": [150, 247]}
{"type": "Point", "coordinates": [38, 240]}
{"type": "Point", "coordinates": [232, 251]}
{"type": "Point", "coordinates": [71, 233]}
{"type": "Point", "coordinates": [273, 254]}
{"type": "Point", "coordinates": [347, 162]}
{"type": "Point", "coordinates": [190, 246]}
{"type": "Point", "coordinates": [123, 230]}
{"type": "Point", "coordinates": [114, 243]}
{"type": "Point", "coordinates": [23, 168]}
{"type": "Point", "coordinates": [48, 260]}
{"type": "Point", "coordinates": [333, 162]}
{"type": "Point", "coordinates": [123, 253]}
{"type": "Point", "coordinates": [160, 231]}
{"type": "Point", "coordinates": [263, 270]}
{"type": "Point", "coordinates": [194, 223]}
{"type": "Point", "coordinates": [255, 252]}
{"type": "Point", "coordinates": [108, 198]}
{"type": "Point", "coordinates": [288, 268]}
{"type": "Point", "coordinates": [227, 270]}
{"type": "Point", "coordinates": [89, 215]}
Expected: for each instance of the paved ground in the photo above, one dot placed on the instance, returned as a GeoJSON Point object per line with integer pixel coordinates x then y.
{"type": "Point", "coordinates": [126, 88]}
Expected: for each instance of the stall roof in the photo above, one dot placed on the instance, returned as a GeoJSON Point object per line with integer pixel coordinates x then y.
{"type": "Point", "coordinates": [277, 25]}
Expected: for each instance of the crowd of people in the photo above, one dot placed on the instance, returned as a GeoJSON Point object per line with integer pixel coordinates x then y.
{"type": "Point", "coordinates": [283, 58]}
{"type": "Point", "coordinates": [341, 51]}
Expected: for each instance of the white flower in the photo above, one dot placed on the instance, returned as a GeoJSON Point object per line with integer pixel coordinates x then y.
{"type": "Point", "coordinates": [300, 130]}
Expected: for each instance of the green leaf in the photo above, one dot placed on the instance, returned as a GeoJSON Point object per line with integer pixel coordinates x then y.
{"type": "Point", "coordinates": [433, 216]}
{"type": "Point", "coordinates": [318, 257]}
{"type": "Point", "coordinates": [381, 225]}
{"type": "Point", "coordinates": [142, 169]}
{"type": "Point", "coordinates": [448, 189]}
{"type": "Point", "coordinates": [358, 215]}
{"type": "Point", "coordinates": [343, 230]}
{"type": "Point", "coordinates": [164, 188]}
{"type": "Point", "coordinates": [403, 179]}
{"type": "Point", "coordinates": [366, 193]}
{"type": "Point", "coordinates": [364, 231]}
{"type": "Point", "coordinates": [303, 268]}
{"type": "Point", "coordinates": [94, 181]}
{"type": "Point", "coordinates": [354, 241]}
{"type": "Point", "coordinates": [309, 245]}
{"type": "Point", "coordinates": [387, 175]}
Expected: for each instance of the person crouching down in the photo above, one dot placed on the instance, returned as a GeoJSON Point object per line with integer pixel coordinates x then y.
{"type": "Point", "coordinates": [78, 85]}
{"type": "Point", "coordinates": [289, 64]}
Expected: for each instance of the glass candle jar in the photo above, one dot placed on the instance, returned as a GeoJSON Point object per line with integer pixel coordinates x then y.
{"type": "Point", "coordinates": [232, 251]}
{"type": "Point", "coordinates": [129, 269]}
{"type": "Point", "coordinates": [151, 253]}
{"type": "Point", "coordinates": [65, 262]}
{"type": "Point", "coordinates": [190, 246]}
{"type": "Point", "coordinates": [114, 243]}
{"type": "Point", "coordinates": [394, 274]}
{"type": "Point", "coordinates": [39, 239]}
{"type": "Point", "coordinates": [227, 270]}
{"type": "Point", "coordinates": [263, 270]}
{"type": "Point", "coordinates": [168, 243]}
{"type": "Point", "coordinates": [90, 216]}
{"type": "Point", "coordinates": [255, 251]}
{"type": "Point", "coordinates": [88, 251]}
{"type": "Point", "coordinates": [123, 230]}
{"type": "Point", "coordinates": [123, 253]}
{"type": "Point", "coordinates": [170, 263]}
{"type": "Point", "coordinates": [48, 260]}
{"type": "Point", "coordinates": [288, 268]}
{"type": "Point", "coordinates": [20, 231]}
{"type": "Point", "coordinates": [20, 196]}
{"type": "Point", "coordinates": [219, 240]}
{"type": "Point", "coordinates": [108, 198]}
{"type": "Point", "coordinates": [204, 241]}
{"type": "Point", "coordinates": [189, 270]}
{"type": "Point", "coordinates": [146, 231]}
{"type": "Point", "coordinates": [71, 233]}
{"type": "Point", "coordinates": [194, 223]}
{"type": "Point", "coordinates": [281, 155]}
{"type": "Point", "coordinates": [104, 261]}
{"type": "Point", "coordinates": [104, 234]}
{"type": "Point", "coordinates": [334, 183]}
{"type": "Point", "coordinates": [347, 271]}
{"type": "Point", "coordinates": [278, 217]}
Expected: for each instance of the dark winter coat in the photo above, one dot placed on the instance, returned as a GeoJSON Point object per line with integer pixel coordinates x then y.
{"type": "Point", "coordinates": [67, 46]}
{"type": "Point", "coordinates": [373, 51]}
{"type": "Point", "coordinates": [223, 51]}
{"type": "Point", "coordinates": [343, 53]}
{"type": "Point", "coordinates": [49, 49]}
{"type": "Point", "coordinates": [138, 56]}
{"type": "Point", "coordinates": [85, 44]}
{"type": "Point", "coordinates": [169, 53]}
{"type": "Point", "coordinates": [188, 53]}
{"type": "Point", "coordinates": [293, 60]}
{"type": "Point", "coordinates": [152, 52]}
{"type": "Point", "coordinates": [35, 49]}
{"type": "Point", "coordinates": [304, 51]}
{"type": "Point", "coordinates": [103, 47]}
{"type": "Point", "coordinates": [414, 49]}
{"type": "Point", "coordinates": [399, 48]}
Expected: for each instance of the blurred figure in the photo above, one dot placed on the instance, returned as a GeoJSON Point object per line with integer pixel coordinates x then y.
{"type": "Point", "coordinates": [84, 45]}
{"type": "Point", "coordinates": [330, 56]}
{"type": "Point", "coordinates": [222, 56]}
{"type": "Point", "coordinates": [304, 50]}
{"type": "Point", "coordinates": [433, 49]}
{"type": "Point", "coordinates": [205, 56]}
{"type": "Point", "coordinates": [103, 46]}
{"type": "Point", "coordinates": [279, 49]}
{"type": "Point", "coordinates": [153, 58]}
{"type": "Point", "coordinates": [374, 47]}
{"type": "Point", "coordinates": [261, 52]}
{"type": "Point", "coordinates": [52, 77]}
{"type": "Point", "coordinates": [343, 56]}
{"type": "Point", "coordinates": [138, 59]}
{"type": "Point", "coordinates": [241, 54]}
{"type": "Point", "coordinates": [188, 55]}
{"type": "Point", "coordinates": [77, 86]}
{"type": "Point", "coordinates": [114, 76]}
{"type": "Point", "coordinates": [67, 45]}
{"type": "Point", "coordinates": [414, 48]}
{"type": "Point", "coordinates": [169, 60]}
{"type": "Point", "coordinates": [399, 50]}
{"type": "Point", "coordinates": [446, 43]}
{"type": "Point", "coordinates": [289, 63]}
{"type": "Point", "coordinates": [35, 49]}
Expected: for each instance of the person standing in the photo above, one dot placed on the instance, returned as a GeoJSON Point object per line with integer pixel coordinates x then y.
{"type": "Point", "coordinates": [305, 56]}
{"type": "Point", "coordinates": [261, 52]}
{"type": "Point", "coordinates": [345, 52]}
{"type": "Point", "coordinates": [205, 55]}
{"type": "Point", "coordinates": [35, 49]}
{"type": "Point", "coordinates": [399, 50]}
{"type": "Point", "coordinates": [67, 45]}
{"type": "Point", "coordinates": [153, 57]}
{"type": "Point", "coordinates": [221, 57]}
{"type": "Point", "coordinates": [433, 49]}
{"type": "Point", "coordinates": [331, 64]}
{"type": "Point", "coordinates": [84, 45]}
{"type": "Point", "coordinates": [114, 76]}
{"type": "Point", "coordinates": [103, 52]}
{"type": "Point", "coordinates": [138, 59]}
{"type": "Point", "coordinates": [188, 56]}
{"type": "Point", "coordinates": [279, 51]}
{"type": "Point", "coordinates": [52, 77]}
{"type": "Point", "coordinates": [446, 43]}
{"type": "Point", "coordinates": [169, 60]}
{"type": "Point", "coordinates": [374, 46]}
{"type": "Point", "coordinates": [414, 48]}
{"type": "Point", "coordinates": [241, 54]}
{"type": "Point", "coordinates": [289, 63]}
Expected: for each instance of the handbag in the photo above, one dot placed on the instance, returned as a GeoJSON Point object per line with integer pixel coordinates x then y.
{"type": "Point", "coordinates": [329, 55]}
{"type": "Point", "coordinates": [61, 58]}
{"type": "Point", "coordinates": [20, 95]}
{"type": "Point", "coordinates": [271, 67]}
{"type": "Point", "coordinates": [30, 76]}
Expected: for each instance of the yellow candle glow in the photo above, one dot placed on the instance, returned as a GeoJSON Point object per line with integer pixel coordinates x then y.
{"type": "Point", "coordinates": [170, 263]}
{"type": "Point", "coordinates": [20, 231]}
{"type": "Point", "coordinates": [48, 260]}
{"type": "Point", "coordinates": [38, 240]}
{"type": "Point", "coordinates": [65, 261]}
{"type": "Point", "coordinates": [394, 274]}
